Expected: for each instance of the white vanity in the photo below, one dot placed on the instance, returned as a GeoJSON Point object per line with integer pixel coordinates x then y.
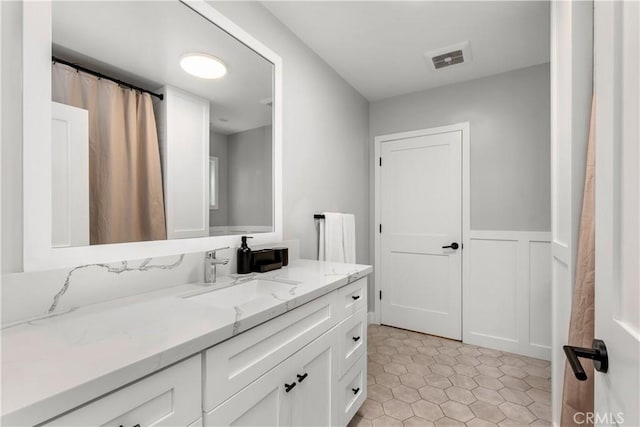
{"type": "Point", "coordinates": [291, 351]}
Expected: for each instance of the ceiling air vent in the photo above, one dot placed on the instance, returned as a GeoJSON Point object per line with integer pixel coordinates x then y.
{"type": "Point", "coordinates": [448, 56]}
{"type": "Point", "coordinates": [447, 59]}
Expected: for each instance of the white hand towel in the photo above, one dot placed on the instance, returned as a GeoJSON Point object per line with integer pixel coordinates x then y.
{"type": "Point", "coordinates": [321, 244]}
{"type": "Point", "coordinates": [349, 237]}
{"type": "Point", "coordinates": [333, 240]}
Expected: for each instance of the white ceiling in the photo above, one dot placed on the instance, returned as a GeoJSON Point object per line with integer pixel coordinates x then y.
{"type": "Point", "coordinates": [378, 46]}
{"type": "Point", "coordinates": [142, 42]}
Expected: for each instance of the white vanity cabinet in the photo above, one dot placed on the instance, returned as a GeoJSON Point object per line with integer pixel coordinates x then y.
{"type": "Point", "coordinates": [307, 358]}
{"type": "Point", "coordinates": [305, 367]}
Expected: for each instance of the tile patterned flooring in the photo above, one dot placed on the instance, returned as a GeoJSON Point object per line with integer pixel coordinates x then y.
{"type": "Point", "coordinates": [421, 380]}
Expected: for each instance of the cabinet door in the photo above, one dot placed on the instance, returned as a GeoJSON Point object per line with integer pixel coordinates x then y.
{"type": "Point", "coordinates": [313, 398]}
{"type": "Point", "coordinates": [265, 402]}
{"type": "Point", "coordinates": [235, 363]}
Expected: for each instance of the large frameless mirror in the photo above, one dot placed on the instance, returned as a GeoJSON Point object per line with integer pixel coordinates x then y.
{"type": "Point", "coordinates": [162, 126]}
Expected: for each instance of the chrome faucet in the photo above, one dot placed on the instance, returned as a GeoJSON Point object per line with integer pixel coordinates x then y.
{"type": "Point", "coordinates": [211, 265]}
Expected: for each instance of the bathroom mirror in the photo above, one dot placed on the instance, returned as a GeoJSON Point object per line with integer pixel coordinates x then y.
{"type": "Point", "coordinates": [141, 164]}
{"type": "Point", "coordinates": [143, 155]}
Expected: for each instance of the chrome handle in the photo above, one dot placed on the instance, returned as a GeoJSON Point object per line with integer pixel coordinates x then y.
{"type": "Point", "coordinates": [212, 253]}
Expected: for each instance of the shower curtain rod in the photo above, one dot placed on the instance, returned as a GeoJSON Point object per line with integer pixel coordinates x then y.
{"type": "Point", "coordinates": [102, 76]}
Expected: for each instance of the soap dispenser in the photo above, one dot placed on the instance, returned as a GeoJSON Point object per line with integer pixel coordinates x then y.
{"type": "Point", "coordinates": [244, 257]}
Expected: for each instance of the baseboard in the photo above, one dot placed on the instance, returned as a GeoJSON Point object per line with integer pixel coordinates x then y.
{"type": "Point", "coordinates": [371, 318]}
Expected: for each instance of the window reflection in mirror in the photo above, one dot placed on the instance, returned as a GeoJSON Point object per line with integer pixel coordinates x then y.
{"type": "Point", "coordinates": [162, 128]}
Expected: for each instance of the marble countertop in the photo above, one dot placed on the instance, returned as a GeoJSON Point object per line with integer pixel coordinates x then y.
{"type": "Point", "coordinates": [57, 363]}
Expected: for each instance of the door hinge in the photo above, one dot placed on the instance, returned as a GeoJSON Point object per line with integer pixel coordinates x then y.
{"type": "Point", "coordinates": [380, 294]}
{"type": "Point", "coordinates": [380, 228]}
{"type": "Point", "coordinates": [380, 161]}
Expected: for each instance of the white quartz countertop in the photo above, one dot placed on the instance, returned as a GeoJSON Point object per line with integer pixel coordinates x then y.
{"type": "Point", "coordinates": [54, 364]}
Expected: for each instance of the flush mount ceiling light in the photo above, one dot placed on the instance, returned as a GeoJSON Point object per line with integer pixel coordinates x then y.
{"type": "Point", "coordinates": [203, 65]}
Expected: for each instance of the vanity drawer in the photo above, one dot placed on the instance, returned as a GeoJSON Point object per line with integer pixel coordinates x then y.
{"type": "Point", "coordinates": [170, 397]}
{"type": "Point", "coordinates": [235, 363]}
{"type": "Point", "coordinates": [353, 340]}
{"type": "Point", "coordinates": [353, 391]}
{"type": "Point", "coordinates": [352, 297]}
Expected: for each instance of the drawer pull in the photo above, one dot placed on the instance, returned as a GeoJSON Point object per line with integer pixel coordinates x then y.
{"type": "Point", "coordinates": [289, 387]}
{"type": "Point", "coordinates": [302, 377]}
{"type": "Point", "coordinates": [355, 390]}
{"type": "Point", "coordinates": [356, 339]}
{"type": "Point", "coordinates": [355, 297]}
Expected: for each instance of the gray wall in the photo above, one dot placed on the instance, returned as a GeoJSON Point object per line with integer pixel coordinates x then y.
{"type": "Point", "coordinates": [218, 148]}
{"type": "Point", "coordinates": [509, 117]}
{"type": "Point", "coordinates": [250, 175]}
{"type": "Point", "coordinates": [326, 126]}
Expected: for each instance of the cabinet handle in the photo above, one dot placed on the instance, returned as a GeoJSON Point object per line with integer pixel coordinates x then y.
{"type": "Point", "coordinates": [355, 390]}
{"type": "Point", "coordinates": [289, 387]}
{"type": "Point", "coordinates": [356, 339]}
{"type": "Point", "coordinates": [356, 297]}
{"type": "Point", "coordinates": [302, 377]}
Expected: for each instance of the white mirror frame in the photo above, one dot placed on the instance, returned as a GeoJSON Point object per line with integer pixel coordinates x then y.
{"type": "Point", "coordinates": [36, 62]}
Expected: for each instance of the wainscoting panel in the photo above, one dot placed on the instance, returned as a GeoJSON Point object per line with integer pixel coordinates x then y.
{"type": "Point", "coordinates": [492, 305]}
{"type": "Point", "coordinates": [507, 291]}
{"type": "Point", "coordinates": [540, 294]}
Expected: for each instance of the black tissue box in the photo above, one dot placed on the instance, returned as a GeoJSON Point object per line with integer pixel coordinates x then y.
{"type": "Point", "coordinates": [265, 260]}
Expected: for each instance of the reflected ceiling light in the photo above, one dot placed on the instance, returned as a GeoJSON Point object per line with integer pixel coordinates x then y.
{"type": "Point", "coordinates": [203, 65]}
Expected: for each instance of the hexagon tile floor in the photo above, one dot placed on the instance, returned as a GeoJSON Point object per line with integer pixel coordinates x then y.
{"type": "Point", "coordinates": [422, 380]}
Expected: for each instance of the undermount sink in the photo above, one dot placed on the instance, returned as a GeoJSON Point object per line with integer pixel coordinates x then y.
{"type": "Point", "coordinates": [243, 293]}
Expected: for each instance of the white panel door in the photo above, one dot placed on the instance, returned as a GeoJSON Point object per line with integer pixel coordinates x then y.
{"type": "Point", "coordinates": [70, 176]}
{"type": "Point", "coordinates": [185, 161]}
{"type": "Point", "coordinates": [617, 297]}
{"type": "Point", "coordinates": [421, 213]}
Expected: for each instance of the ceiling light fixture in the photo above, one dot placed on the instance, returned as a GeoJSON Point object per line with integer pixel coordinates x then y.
{"type": "Point", "coordinates": [203, 65]}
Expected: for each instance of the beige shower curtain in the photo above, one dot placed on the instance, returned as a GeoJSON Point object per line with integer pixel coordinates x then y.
{"type": "Point", "coordinates": [578, 395]}
{"type": "Point", "coordinates": [126, 202]}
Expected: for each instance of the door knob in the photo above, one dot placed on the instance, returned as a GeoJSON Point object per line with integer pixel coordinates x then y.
{"type": "Point", "coordinates": [598, 353]}
{"type": "Point", "coordinates": [453, 246]}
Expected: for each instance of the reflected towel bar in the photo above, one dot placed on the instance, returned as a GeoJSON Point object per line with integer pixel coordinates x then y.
{"type": "Point", "coordinates": [318, 216]}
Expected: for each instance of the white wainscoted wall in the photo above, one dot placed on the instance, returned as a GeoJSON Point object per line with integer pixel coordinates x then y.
{"type": "Point", "coordinates": [507, 291]}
